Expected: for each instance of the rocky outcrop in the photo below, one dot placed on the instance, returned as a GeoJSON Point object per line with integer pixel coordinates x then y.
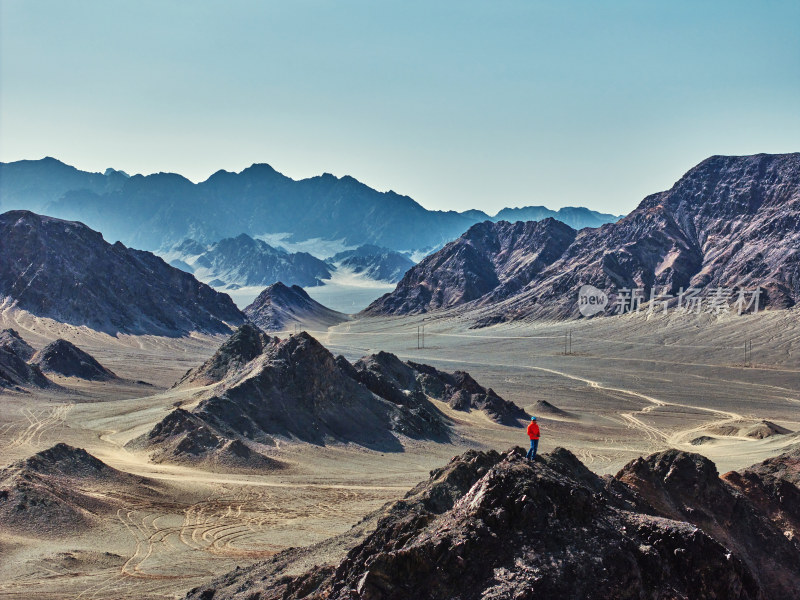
{"type": "Point", "coordinates": [730, 223]}
{"type": "Point", "coordinates": [462, 392]}
{"type": "Point", "coordinates": [687, 487]}
{"type": "Point", "coordinates": [499, 526]}
{"type": "Point", "coordinates": [64, 358]}
{"type": "Point", "coordinates": [65, 271]}
{"type": "Point", "coordinates": [279, 307]}
{"type": "Point", "coordinates": [774, 487]}
{"type": "Point", "coordinates": [410, 383]}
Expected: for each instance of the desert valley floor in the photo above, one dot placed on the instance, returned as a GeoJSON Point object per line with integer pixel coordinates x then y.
{"type": "Point", "coordinates": [630, 386]}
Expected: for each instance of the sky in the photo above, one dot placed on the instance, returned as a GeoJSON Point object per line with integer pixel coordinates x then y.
{"type": "Point", "coordinates": [458, 104]}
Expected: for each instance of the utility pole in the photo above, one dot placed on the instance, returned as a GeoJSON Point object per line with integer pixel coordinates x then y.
{"type": "Point", "coordinates": [568, 342]}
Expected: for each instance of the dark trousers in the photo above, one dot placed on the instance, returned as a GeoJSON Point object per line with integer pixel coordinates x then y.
{"type": "Point", "coordinates": [534, 447]}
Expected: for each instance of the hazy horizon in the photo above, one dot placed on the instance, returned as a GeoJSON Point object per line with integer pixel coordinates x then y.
{"type": "Point", "coordinates": [457, 105]}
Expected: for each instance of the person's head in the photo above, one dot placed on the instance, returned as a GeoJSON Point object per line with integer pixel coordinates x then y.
{"type": "Point", "coordinates": [533, 418]}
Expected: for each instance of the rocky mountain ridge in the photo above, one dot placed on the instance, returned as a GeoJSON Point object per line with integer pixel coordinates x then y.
{"type": "Point", "coordinates": [732, 223]}
{"type": "Point", "coordinates": [67, 272]}
{"type": "Point", "coordinates": [243, 261]}
{"type": "Point", "coordinates": [157, 211]}
{"type": "Point", "coordinates": [498, 526]}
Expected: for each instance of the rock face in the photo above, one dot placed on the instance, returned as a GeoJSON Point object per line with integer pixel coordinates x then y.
{"type": "Point", "coordinates": [490, 262]}
{"type": "Point", "coordinates": [53, 493]}
{"type": "Point", "coordinates": [774, 487]}
{"type": "Point", "coordinates": [66, 359]}
{"type": "Point", "coordinates": [686, 487]}
{"type": "Point", "coordinates": [498, 526]}
{"type": "Point", "coordinates": [731, 222]}
{"type": "Point", "coordinates": [15, 372]}
{"type": "Point", "coordinates": [279, 307]}
{"type": "Point", "coordinates": [373, 261]}
{"type": "Point", "coordinates": [244, 261]}
{"type": "Point", "coordinates": [293, 390]}
{"type": "Point", "coordinates": [65, 271]}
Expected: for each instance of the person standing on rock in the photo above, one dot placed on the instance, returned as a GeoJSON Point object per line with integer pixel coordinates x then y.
{"type": "Point", "coordinates": [533, 434]}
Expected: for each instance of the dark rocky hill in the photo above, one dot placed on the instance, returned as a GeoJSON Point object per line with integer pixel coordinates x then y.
{"type": "Point", "coordinates": [245, 344]}
{"type": "Point", "coordinates": [11, 339]}
{"type": "Point", "coordinates": [15, 371]}
{"type": "Point", "coordinates": [376, 263]}
{"type": "Point", "coordinates": [280, 306]}
{"type": "Point", "coordinates": [64, 358]}
{"type": "Point", "coordinates": [497, 526]}
{"type": "Point", "coordinates": [65, 271]}
{"type": "Point", "coordinates": [489, 263]}
{"type": "Point", "coordinates": [63, 491]}
{"type": "Point", "coordinates": [293, 390]}
{"type": "Point", "coordinates": [17, 374]}
{"type": "Point", "coordinates": [389, 377]}
{"type": "Point", "coordinates": [731, 222]}
{"type": "Point", "coordinates": [244, 261]}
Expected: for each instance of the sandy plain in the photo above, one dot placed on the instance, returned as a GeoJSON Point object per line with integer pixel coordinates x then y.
{"type": "Point", "coordinates": [631, 385]}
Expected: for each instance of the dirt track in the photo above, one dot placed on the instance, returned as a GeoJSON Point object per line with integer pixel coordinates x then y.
{"type": "Point", "coordinates": [631, 387]}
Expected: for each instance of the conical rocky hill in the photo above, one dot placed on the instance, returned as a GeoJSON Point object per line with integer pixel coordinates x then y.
{"type": "Point", "coordinates": [280, 306]}
{"type": "Point", "coordinates": [61, 492]}
{"type": "Point", "coordinates": [64, 358]}
{"type": "Point", "coordinates": [245, 344]}
{"type": "Point", "coordinates": [292, 389]}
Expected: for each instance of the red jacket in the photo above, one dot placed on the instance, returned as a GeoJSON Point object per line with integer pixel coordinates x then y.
{"type": "Point", "coordinates": [533, 430]}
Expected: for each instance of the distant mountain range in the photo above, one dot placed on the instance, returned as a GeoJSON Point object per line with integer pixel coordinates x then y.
{"type": "Point", "coordinates": [244, 261]}
{"type": "Point", "coordinates": [373, 262]}
{"type": "Point", "coordinates": [67, 272]}
{"type": "Point", "coordinates": [155, 212]}
{"type": "Point", "coordinates": [576, 217]}
{"type": "Point", "coordinates": [731, 223]}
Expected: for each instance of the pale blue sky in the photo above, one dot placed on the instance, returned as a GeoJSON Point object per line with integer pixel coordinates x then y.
{"type": "Point", "coordinates": [457, 104]}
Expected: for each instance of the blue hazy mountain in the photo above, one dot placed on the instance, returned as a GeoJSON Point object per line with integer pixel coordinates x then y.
{"type": "Point", "coordinates": [374, 262]}
{"type": "Point", "coordinates": [157, 211]}
{"type": "Point", "coordinates": [244, 261]}
{"type": "Point", "coordinates": [576, 217]}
